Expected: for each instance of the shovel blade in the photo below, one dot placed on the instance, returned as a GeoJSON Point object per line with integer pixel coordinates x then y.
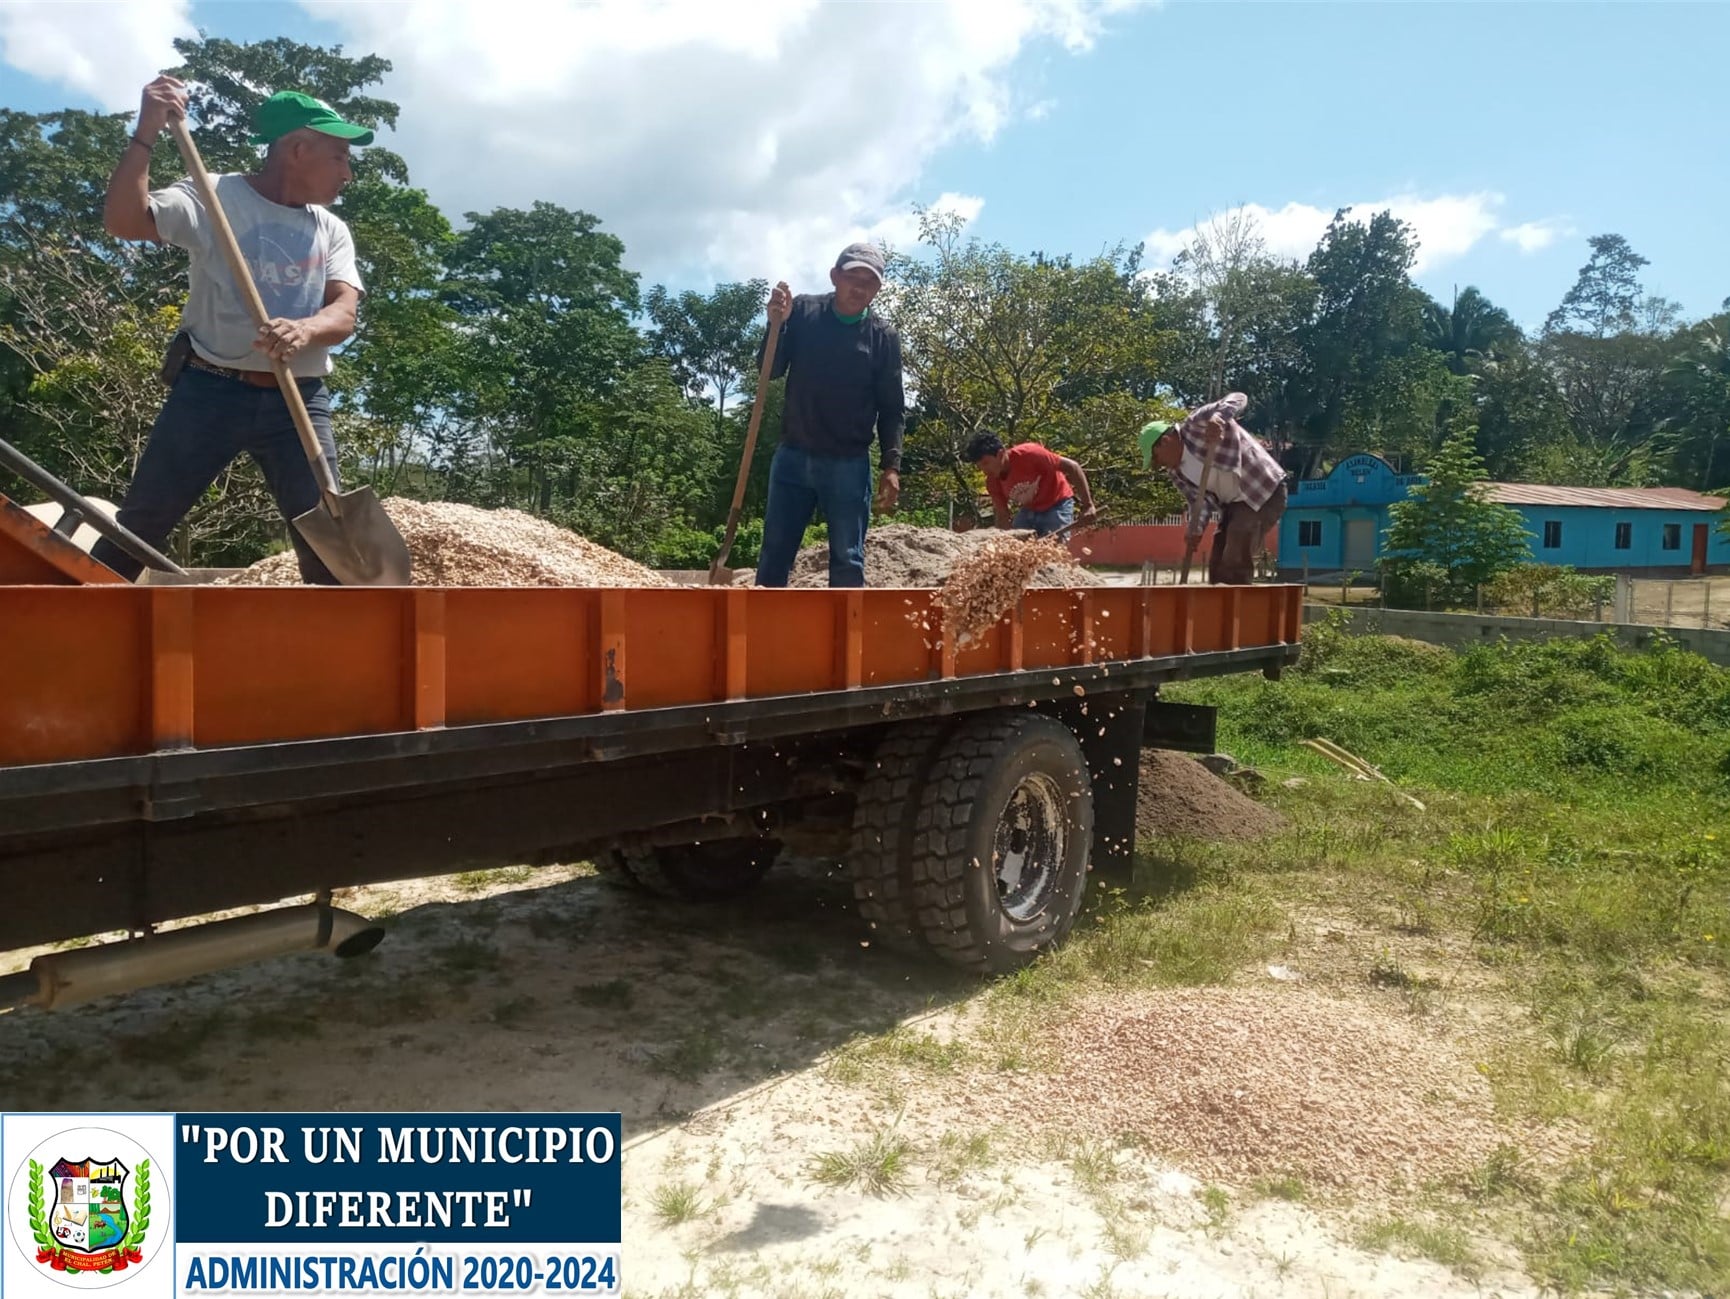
{"type": "Point", "coordinates": [356, 540]}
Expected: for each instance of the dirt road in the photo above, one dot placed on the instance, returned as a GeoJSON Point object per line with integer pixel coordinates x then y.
{"type": "Point", "coordinates": [753, 1128]}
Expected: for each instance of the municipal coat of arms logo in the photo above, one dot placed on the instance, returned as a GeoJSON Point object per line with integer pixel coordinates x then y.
{"type": "Point", "coordinates": [80, 1208]}
{"type": "Point", "coordinates": [86, 1226]}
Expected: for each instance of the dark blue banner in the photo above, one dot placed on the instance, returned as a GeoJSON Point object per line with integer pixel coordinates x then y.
{"type": "Point", "coordinates": [397, 1178]}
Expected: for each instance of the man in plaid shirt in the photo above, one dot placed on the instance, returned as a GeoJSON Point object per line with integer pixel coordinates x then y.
{"type": "Point", "coordinates": [1245, 485]}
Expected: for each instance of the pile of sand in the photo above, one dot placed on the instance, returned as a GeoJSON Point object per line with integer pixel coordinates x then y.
{"type": "Point", "coordinates": [899, 554]}
{"type": "Point", "coordinates": [1179, 796]}
{"type": "Point", "coordinates": [460, 545]}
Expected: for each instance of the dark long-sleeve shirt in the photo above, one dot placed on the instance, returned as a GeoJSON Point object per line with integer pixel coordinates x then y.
{"type": "Point", "coordinates": [843, 382]}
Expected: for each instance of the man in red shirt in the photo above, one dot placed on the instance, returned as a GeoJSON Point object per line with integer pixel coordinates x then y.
{"type": "Point", "coordinates": [1030, 486]}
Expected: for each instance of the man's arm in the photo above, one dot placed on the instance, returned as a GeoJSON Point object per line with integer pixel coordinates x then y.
{"type": "Point", "coordinates": [282, 338]}
{"type": "Point", "coordinates": [1077, 476]}
{"type": "Point", "coordinates": [1229, 407]}
{"type": "Point", "coordinates": [126, 206]}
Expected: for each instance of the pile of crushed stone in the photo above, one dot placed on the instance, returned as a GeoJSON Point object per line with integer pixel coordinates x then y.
{"type": "Point", "coordinates": [900, 554]}
{"type": "Point", "coordinates": [1179, 796]}
{"type": "Point", "coordinates": [461, 545]}
{"type": "Point", "coordinates": [1247, 1083]}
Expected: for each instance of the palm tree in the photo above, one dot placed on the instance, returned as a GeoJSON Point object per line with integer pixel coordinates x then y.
{"type": "Point", "coordinates": [1473, 332]}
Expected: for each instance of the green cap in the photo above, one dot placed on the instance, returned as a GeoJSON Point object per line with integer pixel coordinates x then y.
{"type": "Point", "coordinates": [289, 110]}
{"type": "Point", "coordinates": [1150, 433]}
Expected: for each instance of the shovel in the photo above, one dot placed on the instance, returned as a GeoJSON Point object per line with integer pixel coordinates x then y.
{"type": "Point", "coordinates": [1192, 534]}
{"type": "Point", "coordinates": [349, 531]}
{"type": "Point", "coordinates": [719, 575]}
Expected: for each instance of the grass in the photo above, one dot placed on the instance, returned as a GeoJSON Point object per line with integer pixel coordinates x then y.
{"type": "Point", "coordinates": [1575, 855]}
{"type": "Point", "coordinates": [879, 1165]}
{"type": "Point", "coordinates": [901, 1046]}
{"type": "Point", "coordinates": [1286, 1186]}
{"type": "Point", "coordinates": [676, 1202]}
{"type": "Point", "coordinates": [1437, 1242]}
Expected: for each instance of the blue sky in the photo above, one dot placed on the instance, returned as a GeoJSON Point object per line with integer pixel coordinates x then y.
{"type": "Point", "coordinates": [719, 144]}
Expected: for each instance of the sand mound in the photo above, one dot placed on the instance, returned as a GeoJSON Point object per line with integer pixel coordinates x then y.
{"type": "Point", "coordinates": [460, 545]}
{"type": "Point", "coordinates": [899, 554]}
{"type": "Point", "coordinates": [1262, 1082]}
{"type": "Point", "coordinates": [1179, 796]}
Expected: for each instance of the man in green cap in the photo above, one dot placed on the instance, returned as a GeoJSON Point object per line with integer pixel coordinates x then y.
{"type": "Point", "coordinates": [223, 398]}
{"type": "Point", "coordinates": [1245, 484]}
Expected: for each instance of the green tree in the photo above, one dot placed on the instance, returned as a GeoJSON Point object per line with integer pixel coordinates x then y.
{"type": "Point", "coordinates": [711, 339]}
{"type": "Point", "coordinates": [1367, 317]}
{"type": "Point", "coordinates": [1447, 537]}
{"type": "Point", "coordinates": [1607, 344]}
{"type": "Point", "coordinates": [1523, 430]}
{"type": "Point", "coordinates": [1697, 382]}
{"type": "Point", "coordinates": [1605, 295]}
{"type": "Point", "coordinates": [1028, 348]}
{"type": "Point", "coordinates": [1472, 333]}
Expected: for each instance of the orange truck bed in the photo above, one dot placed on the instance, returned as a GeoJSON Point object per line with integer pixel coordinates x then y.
{"type": "Point", "coordinates": [99, 672]}
{"type": "Point", "coordinates": [168, 752]}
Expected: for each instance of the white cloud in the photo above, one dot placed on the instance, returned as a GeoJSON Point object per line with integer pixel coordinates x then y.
{"type": "Point", "coordinates": [1535, 236]}
{"type": "Point", "coordinates": [105, 51]}
{"type": "Point", "coordinates": [714, 139]}
{"type": "Point", "coordinates": [1447, 227]}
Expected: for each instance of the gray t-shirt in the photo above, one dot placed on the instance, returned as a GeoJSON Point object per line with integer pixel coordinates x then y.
{"type": "Point", "coordinates": [293, 251]}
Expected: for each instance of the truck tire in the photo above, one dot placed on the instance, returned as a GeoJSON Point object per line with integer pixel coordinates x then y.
{"type": "Point", "coordinates": [695, 872]}
{"type": "Point", "coordinates": [879, 860]}
{"type": "Point", "coordinates": [1001, 843]}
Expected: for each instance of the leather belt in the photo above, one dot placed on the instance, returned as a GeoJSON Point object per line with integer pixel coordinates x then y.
{"type": "Point", "coordinates": [254, 378]}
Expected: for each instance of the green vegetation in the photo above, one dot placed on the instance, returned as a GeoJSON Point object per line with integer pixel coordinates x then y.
{"type": "Point", "coordinates": [1575, 848]}
{"type": "Point", "coordinates": [878, 1165]}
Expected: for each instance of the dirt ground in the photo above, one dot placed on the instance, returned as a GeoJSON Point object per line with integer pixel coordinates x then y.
{"type": "Point", "coordinates": [1699, 602]}
{"type": "Point", "coordinates": [743, 1042]}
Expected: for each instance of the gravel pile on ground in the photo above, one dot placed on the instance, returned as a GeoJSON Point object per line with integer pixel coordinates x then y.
{"type": "Point", "coordinates": [1248, 1083]}
{"type": "Point", "coordinates": [460, 545]}
{"type": "Point", "coordinates": [1179, 796]}
{"type": "Point", "coordinates": [899, 554]}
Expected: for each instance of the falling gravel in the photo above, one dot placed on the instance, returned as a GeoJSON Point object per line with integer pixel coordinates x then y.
{"type": "Point", "coordinates": [461, 545]}
{"type": "Point", "coordinates": [986, 584]}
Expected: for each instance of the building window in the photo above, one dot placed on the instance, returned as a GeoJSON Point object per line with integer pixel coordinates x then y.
{"type": "Point", "coordinates": [1309, 532]}
{"type": "Point", "coordinates": [1624, 536]}
{"type": "Point", "coordinates": [1672, 536]}
{"type": "Point", "coordinates": [1552, 534]}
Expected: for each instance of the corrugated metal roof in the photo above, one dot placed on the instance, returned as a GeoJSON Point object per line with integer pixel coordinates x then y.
{"type": "Point", "coordinates": [1605, 498]}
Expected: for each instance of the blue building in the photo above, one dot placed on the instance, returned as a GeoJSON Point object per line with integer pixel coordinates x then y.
{"type": "Point", "coordinates": [1339, 524]}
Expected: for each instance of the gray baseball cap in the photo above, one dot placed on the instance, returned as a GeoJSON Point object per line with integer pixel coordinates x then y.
{"type": "Point", "coordinates": [867, 255]}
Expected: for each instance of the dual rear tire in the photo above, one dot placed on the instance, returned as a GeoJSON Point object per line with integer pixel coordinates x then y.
{"type": "Point", "coordinates": [971, 841]}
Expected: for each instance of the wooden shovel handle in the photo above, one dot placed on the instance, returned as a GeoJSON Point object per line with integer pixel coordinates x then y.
{"type": "Point", "coordinates": [255, 304]}
{"type": "Point", "coordinates": [763, 373]}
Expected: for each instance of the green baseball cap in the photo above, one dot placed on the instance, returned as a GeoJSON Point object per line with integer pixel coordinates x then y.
{"type": "Point", "coordinates": [1151, 432]}
{"type": "Point", "coordinates": [289, 110]}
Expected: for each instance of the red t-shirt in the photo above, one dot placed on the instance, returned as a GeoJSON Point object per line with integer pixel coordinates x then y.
{"type": "Point", "coordinates": [1031, 463]}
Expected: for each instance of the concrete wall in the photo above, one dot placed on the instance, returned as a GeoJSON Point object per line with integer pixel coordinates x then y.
{"type": "Point", "coordinates": [1475, 629]}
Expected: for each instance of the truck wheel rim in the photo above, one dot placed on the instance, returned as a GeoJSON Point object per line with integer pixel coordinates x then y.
{"type": "Point", "coordinates": [1029, 847]}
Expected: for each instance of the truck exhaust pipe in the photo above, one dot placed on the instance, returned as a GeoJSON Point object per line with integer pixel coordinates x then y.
{"type": "Point", "coordinates": [63, 979]}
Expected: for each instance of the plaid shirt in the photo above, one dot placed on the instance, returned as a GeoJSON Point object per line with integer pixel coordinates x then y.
{"type": "Point", "coordinates": [1258, 473]}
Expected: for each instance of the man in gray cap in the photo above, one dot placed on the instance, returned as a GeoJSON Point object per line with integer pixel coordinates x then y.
{"type": "Point", "coordinates": [843, 368]}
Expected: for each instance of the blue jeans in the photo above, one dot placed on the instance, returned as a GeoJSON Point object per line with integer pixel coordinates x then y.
{"type": "Point", "coordinates": [1045, 522]}
{"type": "Point", "coordinates": [799, 482]}
{"type": "Point", "coordinates": [206, 422]}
